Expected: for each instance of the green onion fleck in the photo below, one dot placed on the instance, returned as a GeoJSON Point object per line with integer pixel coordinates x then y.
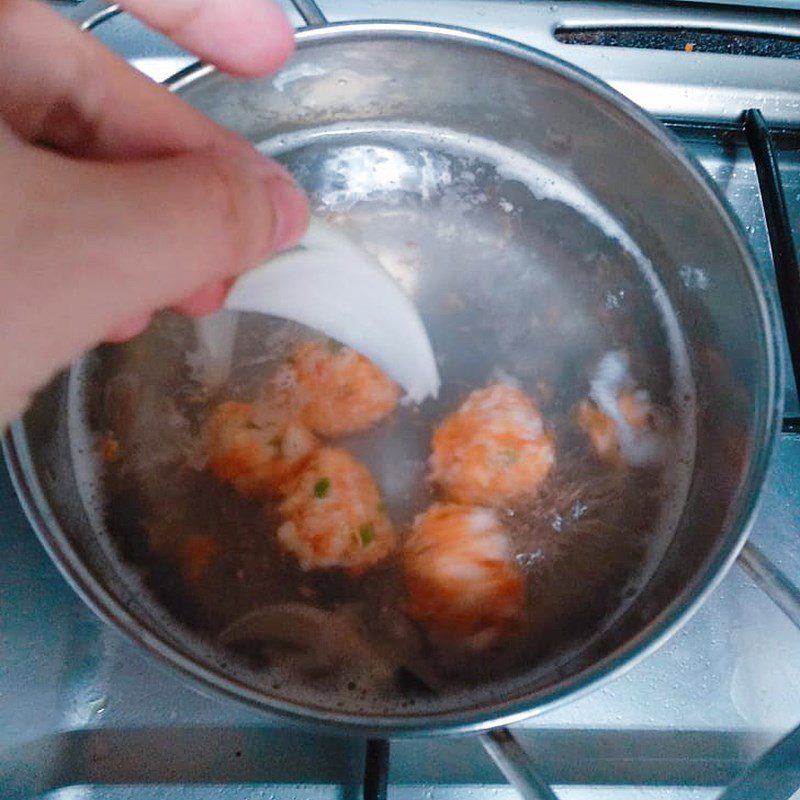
{"type": "Point", "coordinates": [509, 457]}
{"type": "Point", "coordinates": [334, 346]}
{"type": "Point", "coordinates": [382, 507]}
{"type": "Point", "coordinates": [321, 487]}
{"type": "Point", "coordinates": [367, 534]}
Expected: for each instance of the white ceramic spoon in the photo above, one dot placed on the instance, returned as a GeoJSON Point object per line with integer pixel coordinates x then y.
{"type": "Point", "coordinates": [331, 284]}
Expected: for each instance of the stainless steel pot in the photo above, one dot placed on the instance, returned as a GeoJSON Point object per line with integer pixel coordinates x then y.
{"type": "Point", "coordinates": [609, 183]}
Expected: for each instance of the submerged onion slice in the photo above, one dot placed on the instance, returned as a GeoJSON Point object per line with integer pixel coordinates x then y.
{"type": "Point", "coordinates": [329, 639]}
{"type": "Point", "coordinates": [331, 284]}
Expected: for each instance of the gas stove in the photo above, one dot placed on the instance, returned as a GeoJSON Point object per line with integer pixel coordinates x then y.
{"type": "Point", "coordinates": [83, 714]}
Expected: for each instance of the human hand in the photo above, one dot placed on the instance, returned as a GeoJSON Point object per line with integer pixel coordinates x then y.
{"type": "Point", "coordinates": [117, 198]}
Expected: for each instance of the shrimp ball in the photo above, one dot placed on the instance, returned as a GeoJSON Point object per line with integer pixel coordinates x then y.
{"type": "Point", "coordinates": [493, 449]}
{"type": "Point", "coordinates": [463, 585]}
{"type": "Point", "coordinates": [253, 452]}
{"type": "Point", "coordinates": [625, 435]}
{"type": "Point", "coordinates": [335, 516]}
{"type": "Point", "coordinates": [340, 392]}
{"type": "Point", "coordinates": [623, 425]}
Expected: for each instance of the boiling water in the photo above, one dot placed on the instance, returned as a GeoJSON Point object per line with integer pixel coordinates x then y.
{"type": "Point", "coordinates": [518, 275]}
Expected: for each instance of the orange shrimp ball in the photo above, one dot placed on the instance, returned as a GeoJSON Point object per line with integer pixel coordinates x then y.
{"type": "Point", "coordinates": [637, 417]}
{"type": "Point", "coordinates": [252, 453]}
{"type": "Point", "coordinates": [335, 516]}
{"type": "Point", "coordinates": [493, 449]}
{"type": "Point", "coordinates": [340, 392]}
{"type": "Point", "coordinates": [462, 583]}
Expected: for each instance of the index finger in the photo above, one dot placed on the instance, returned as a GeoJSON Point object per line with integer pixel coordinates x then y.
{"type": "Point", "coordinates": [243, 37]}
{"type": "Point", "coordinates": [94, 105]}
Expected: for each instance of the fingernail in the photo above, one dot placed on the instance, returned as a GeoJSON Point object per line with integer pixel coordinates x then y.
{"type": "Point", "coordinates": [289, 202]}
{"type": "Point", "coordinates": [128, 329]}
{"type": "Point", "coordinates": [290, 205]}
{"type": "Point", "coordinates": [206, 300]}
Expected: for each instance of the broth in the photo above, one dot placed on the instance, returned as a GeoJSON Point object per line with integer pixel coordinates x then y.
{"type": "Point", "coordinates": [513, 281]}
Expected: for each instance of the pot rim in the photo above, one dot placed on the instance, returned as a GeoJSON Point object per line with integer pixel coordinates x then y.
{"type": "Point", "coordinates": [661, 628]}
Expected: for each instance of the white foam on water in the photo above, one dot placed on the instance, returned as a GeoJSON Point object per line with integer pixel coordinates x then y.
{"type": "Point", "coordinates": [611, 377]}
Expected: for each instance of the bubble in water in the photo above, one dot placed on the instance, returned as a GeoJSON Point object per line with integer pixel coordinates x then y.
{"type": "Point", "coordinates": [527, 560]}
{"type": "Point", "coordinates": [579, 509]}
{"type": "Point", "coordinates": [613, 299]}
{"type": "Point", "coordinates": [97, 705]}
{"type": "Point", "coordinates": [694, 278]}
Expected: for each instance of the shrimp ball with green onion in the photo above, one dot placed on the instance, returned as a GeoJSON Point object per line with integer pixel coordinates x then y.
{"type": "Point", "coordinates": [493, 449]}
{"type": "Point", "coordinates": [335, 516]}
{"type": "Point", "coordinates": [338, 390]}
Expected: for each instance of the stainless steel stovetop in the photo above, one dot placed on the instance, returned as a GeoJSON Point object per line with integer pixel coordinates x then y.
{"type": "Point", "coordinates": [84, 715]}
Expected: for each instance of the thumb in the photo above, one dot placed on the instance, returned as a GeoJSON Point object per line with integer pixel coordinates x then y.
{"type": "Point", "coordinates": [86, 245]}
